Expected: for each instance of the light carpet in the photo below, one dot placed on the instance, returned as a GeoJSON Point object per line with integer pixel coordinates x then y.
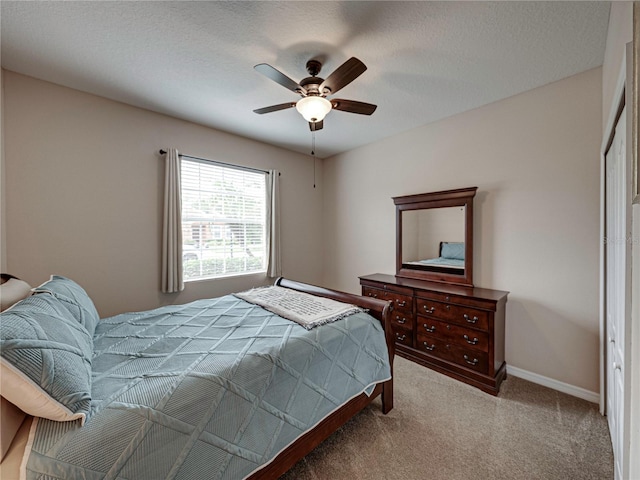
{"type": "Point", "coordinates": [442, 429]}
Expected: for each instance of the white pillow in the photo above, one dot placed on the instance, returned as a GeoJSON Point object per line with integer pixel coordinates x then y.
{"type": "Point", "coordinates": [12, 291]}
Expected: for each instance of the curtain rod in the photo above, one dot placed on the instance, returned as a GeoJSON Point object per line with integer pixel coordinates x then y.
{"type": "Point", "coordinates": [239, 167]}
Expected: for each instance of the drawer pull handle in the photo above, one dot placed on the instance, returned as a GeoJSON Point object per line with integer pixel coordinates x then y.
{"type": "Point", "coordinates": [374, 295]}
{"type": "Point", "coordinates": [400, 337]}
{"type": "Point", "coordinates": [429, 310]}
{"type": "Point", "coordinates": [473, 362]}
{"type": "Point", "coordinates": [471, 342]}
{"type": "Point", "coordinates": [429, 347]}
{"type": "Point", "coordinates": [401, 321]}
{"type": "Point", "coordinates": [428, 328]}
{"type": "Point", "coordinates": [470, 320]}
{"type": "Point", "coordinates": [401, 303]}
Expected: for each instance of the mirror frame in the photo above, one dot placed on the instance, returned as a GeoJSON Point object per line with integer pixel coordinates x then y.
{"type": "Point", "coordinates": [462, 197]}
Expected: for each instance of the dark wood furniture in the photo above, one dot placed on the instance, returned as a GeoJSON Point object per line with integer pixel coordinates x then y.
{"type": "Point", "coordinates": [381, 310]}
{"type": "Point", "coordinates": [462, 198]}
{"type": "Point", "coordinates": [458, 331]}
{"type": "Point", "coordinates": [439, 319]}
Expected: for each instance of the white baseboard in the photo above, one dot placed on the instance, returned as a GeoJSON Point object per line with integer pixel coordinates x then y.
{"type": "Point", "coordinates": [582, 393]}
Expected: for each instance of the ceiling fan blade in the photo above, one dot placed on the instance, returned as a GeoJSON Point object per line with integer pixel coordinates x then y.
{"type": "Point", "coordinates": [343, 75]}
{"type": "Point", "coordinates": [315, 126]}
{"type": "Point", "coordinates": [275, 108]}
{"type": "Point", "coordinates": [278, 77]}
{"type": "Point", "coordinates": [352, 106]}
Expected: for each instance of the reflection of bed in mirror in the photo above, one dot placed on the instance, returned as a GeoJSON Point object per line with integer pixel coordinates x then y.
{"type": "Point", "coordinates": [450, 259]}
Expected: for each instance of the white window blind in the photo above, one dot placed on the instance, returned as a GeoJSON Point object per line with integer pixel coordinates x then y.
{"type": "Point", "coordinates": [223, 220]}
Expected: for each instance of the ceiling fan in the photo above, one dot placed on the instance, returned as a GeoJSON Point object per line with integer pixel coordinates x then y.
{"type": "Point", "coordinates": [314, 105]}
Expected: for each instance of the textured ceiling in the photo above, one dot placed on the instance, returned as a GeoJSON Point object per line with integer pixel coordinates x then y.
{"type": "Point", "coordinates": [194, 60]}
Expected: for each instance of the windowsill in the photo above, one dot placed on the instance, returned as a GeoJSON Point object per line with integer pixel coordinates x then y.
{"type": "Point", "coordinates": [230, 275]}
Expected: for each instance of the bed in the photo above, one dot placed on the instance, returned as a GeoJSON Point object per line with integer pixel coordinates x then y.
{"type": "Point", "coordinates": [217, 388]}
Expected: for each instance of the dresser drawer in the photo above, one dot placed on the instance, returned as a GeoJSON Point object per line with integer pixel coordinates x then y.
{"type": "Point", "coordinates": [401, 319]}
{"type": "Point", "coordinates": [400, 302]}
{"type": "Point", "coordinates": [471, 302]}
{"type": "Point", "coordinates": [451, 333]}
{"type": "Point", "coordinates": [467, 357]}
{"type": "Point", "coordinates": [403, 336]}
{"type": "Point", "coordinates": [469, 317]}
{"type": "Point", "coordinates": [438, 296]}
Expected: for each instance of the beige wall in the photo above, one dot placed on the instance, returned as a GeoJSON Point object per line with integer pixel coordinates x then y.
{"type": "Point", "coordinates": [535, 160]}
{"type": "Point", "coordinates": [84, 192]}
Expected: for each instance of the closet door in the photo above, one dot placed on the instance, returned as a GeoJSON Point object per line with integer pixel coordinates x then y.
{"type": "Point", "coordinates": [616, 293]}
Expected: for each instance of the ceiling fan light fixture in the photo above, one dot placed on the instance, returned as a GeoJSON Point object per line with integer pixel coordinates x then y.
{"type": "Point", "coordinates": [313, 108]}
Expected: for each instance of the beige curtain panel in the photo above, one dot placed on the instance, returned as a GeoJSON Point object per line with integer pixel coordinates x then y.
{"type": "Point", "coordinates": [274, 268]}
{"type": "Point", "coordinates": [172, 279]}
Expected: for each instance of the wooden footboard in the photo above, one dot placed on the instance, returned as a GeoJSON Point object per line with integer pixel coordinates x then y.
{"type": "Point", "coordinates": [380, 310]}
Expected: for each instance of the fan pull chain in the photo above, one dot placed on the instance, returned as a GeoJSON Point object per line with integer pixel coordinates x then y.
{"type": "Point", "coordinates": [313, 154]}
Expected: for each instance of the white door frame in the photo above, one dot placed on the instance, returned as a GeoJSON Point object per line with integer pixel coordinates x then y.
{"type": "Point", "coordinates": [616, 106]}
{"type": "Point", "coordinates": [630, 384]}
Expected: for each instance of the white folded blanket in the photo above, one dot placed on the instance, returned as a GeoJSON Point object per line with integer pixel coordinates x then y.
{"type": "Point", "coordinates": [307, 310]}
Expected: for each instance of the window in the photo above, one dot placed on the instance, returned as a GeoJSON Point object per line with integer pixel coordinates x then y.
{"type": "Point", "coordinates": [223, 220]}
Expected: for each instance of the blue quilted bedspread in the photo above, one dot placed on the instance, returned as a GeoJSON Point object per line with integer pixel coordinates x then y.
{"type": "Point", "coordinates": [211, 389]}
{"type": "Point", "coordinates": [443, 262]}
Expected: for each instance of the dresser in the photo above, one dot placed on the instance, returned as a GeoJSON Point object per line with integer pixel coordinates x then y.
{"type": "Point", "coordinates": [456, 330]}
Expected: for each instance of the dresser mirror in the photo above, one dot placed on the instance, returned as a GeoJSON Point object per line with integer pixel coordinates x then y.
{"type": "Point", "coordinates": [434, 236]}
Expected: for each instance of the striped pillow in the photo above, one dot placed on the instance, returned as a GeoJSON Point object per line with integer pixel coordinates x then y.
{"type": "Point", "coordinates": [74, 298]}
{"type": "Point", "coordinates": [45, 359]}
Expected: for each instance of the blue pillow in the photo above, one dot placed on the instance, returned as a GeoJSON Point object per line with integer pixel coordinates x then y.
{"type": "Point", "coordinates": [453, 250]}
{"type": "Point", "coordinates": [45, 359]}
{"type": "Point", "coordinates": [74, 298]}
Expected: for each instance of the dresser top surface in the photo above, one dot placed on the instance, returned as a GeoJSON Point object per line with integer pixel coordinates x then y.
{"type": "Point", "coordinates": [476, 292]}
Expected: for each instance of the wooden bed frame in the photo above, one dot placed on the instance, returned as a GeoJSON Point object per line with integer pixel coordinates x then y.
{"type": "Point", "coordinates": [379, 309]}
